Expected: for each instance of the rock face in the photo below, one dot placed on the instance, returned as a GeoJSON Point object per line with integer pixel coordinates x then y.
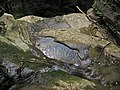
{"type": "Point", "coordinates": [110, 10]}
{"type": "Point", "coordinates": [68, 33]}
{"type": "Point", "coordinates": [70, 43]}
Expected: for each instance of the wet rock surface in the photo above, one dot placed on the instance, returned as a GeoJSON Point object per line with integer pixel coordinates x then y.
{"type": "Point", "coordinates": [57, 50]}
{"type": "Point", "coordinates": [38, 52]}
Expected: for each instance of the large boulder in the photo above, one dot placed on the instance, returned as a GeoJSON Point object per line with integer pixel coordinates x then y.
{"type": "Point", "coordinates": [20, 69]}
{"type": "Point", "coordinates": [70, 40]}
{"type": "Point", "coordinates": [70, 43]}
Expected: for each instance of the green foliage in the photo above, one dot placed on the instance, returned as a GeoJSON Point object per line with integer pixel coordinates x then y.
{"type": "Point", "coordinates": [97, 10]}
{"type": "Point", "coordinates": [18, 14]}
{"type": "Point", "coordinates": [15, 54]}
{"type": "Point", "coordinates": [11, 52]}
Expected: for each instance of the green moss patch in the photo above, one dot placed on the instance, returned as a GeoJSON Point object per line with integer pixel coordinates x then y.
{"type": "Point", "coordinates": [16, 55]}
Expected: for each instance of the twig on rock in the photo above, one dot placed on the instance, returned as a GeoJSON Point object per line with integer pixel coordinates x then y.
{"type": "Point", "coordinates": [89, 18]}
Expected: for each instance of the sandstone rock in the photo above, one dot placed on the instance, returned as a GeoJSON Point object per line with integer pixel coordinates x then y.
{"type": "Point", "coordinates": [8, 19]}
{"type": "Point", "coordinates": [31, 19]}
